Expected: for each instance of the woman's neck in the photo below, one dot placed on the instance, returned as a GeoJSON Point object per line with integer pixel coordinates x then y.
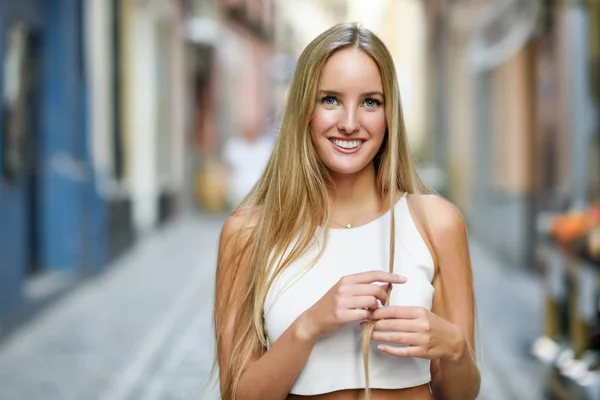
{"type": "Point", "coordinates": [354, 196]}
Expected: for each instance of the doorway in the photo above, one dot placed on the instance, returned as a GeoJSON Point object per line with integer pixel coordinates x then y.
{"type": "Point", "coordinates": [21, 109]}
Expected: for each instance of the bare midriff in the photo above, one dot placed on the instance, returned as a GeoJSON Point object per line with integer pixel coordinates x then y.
{"type": "Point", "coordinates": [415, 393]}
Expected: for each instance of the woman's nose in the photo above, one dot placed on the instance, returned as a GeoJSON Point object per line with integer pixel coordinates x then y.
{"type": "Point", "coordinates": [349, 122]}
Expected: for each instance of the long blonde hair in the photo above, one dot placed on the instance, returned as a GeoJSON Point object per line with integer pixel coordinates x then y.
{"type": "Point", "coordinates": [292, 195]}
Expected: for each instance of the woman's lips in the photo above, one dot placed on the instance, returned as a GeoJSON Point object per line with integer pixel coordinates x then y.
{"type": "Point", "coordinates": [345, 150]}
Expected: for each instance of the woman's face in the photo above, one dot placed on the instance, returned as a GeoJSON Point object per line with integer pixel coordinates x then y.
{"type": "Point", "coordinates": [348, 123]}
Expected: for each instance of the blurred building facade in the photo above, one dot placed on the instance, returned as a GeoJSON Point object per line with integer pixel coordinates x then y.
{"type": "Point", "coordinates": [92, 138]}
{"type": "Point", "coordinates": [231, 43]}
{"type": "Point", "coordinates": [513, 92]}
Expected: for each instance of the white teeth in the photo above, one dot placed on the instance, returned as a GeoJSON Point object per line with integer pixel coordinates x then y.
{"type": "Point", "coordinates": [347, 144]}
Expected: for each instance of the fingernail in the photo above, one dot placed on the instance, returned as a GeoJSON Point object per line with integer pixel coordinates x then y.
{"type": "Point", "coordinates": [401, 278]}
{"type": "Point", "coordinates": [380, 347]}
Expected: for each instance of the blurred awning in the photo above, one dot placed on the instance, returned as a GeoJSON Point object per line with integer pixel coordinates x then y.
{"type": "Point", "coordinates": [497, 29]}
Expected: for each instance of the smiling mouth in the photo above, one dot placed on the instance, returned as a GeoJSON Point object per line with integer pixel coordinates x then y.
{"type": "Point", "coordinates": [347, 144]}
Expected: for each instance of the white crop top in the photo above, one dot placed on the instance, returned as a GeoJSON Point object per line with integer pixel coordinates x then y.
{"type": "Point", "coordinates": [336, 362]}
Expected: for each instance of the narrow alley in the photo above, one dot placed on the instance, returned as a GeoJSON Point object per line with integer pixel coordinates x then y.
{"type": "Point", "coordinates": [130, 128]}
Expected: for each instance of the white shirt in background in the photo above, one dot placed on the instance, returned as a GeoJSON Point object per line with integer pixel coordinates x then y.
{"type": "Point", "coordinates": [246, 160]}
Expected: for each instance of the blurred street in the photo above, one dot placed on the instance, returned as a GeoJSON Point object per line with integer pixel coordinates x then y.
{"type": "Point", "coordinates": [128, 128]}
{"type": "Point", "coordinates": [142, 330]}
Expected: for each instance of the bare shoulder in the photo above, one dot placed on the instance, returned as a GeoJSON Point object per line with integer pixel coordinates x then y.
{"type": "Point", "coordinates": [242, 219]}
{"type": "Point", "coordinates": [443, 218]}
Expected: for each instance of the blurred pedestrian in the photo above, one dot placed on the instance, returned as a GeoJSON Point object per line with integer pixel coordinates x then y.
{"type": "Point", "coordinates": [246, 157]}
{"type": "Point", "coordinates": [338, 274]}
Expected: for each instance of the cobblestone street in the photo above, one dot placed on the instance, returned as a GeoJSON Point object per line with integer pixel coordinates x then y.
{"type": "Point", "coordinates": [143, 329]}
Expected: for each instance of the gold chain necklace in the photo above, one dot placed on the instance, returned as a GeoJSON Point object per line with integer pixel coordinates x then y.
{"type": "Point", "coordinates": [347, 226]}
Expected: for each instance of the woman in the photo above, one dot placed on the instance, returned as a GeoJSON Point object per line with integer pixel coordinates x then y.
{"type": "Point", "coordinates": [309, 303]}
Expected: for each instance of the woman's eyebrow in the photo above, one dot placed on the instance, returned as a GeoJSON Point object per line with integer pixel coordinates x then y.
{"type": "Point", "coordinates": [339, 94]}
{"type": "Point", "coordinates": [330, 93]}
{"type": "Point", "coordinates": [368, 94]}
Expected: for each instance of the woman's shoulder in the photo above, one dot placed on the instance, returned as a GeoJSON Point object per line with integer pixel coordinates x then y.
{"type": "Point", "coordinates": [441, 215]}
{"type": "Point", "coordinates": [236, 234]}
{"type": "Point", "coordinates": [440, 224]}
{"type": "Point", "coordinates": [241, 219]}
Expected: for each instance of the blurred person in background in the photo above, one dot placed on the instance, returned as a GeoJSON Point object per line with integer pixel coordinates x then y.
{"type": "Point", "coordinates": [335, 273]}
{"type": "Point", "coordinates": [246, 157]}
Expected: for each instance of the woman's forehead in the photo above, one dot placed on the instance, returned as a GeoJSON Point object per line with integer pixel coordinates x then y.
{"type": "Point", "coordinates": [351, 70]}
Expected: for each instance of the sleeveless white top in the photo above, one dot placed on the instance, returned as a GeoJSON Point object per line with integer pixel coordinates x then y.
{"type": "Point", "coordinates": [336, 361]}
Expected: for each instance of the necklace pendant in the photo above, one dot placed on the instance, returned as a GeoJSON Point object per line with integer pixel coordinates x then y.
{"type": "Point", "coordinates": [348, 226]}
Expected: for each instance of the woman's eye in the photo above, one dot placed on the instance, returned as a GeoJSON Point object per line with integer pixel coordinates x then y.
{"type": "Point", "coordinates": [371, 103]}
{"type": "Point", "coordinates": [329, 100]}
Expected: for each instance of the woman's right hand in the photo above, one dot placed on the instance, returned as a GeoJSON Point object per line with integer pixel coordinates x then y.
{"type": "Point", "coordinates": [351, 299]}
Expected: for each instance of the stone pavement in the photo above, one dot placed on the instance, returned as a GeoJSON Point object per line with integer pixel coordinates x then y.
{"type": "Point", "coordinates": [509, 307]}
{"type": "Point", "coordinates": [143, 329]}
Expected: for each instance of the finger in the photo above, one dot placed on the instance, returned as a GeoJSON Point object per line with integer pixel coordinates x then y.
{"type": "Point", "coordinates": [408, 351]}
{"type": "Point", "coordinates": [357, 314]}
{"type": "Point", "coordinates": [397, 325]}
{"type": "Point", "coordinates": [379, 291]}
{"type": "Point", "coordinates": [409, 338]}
{"type": "Point", "coordinates": [369, 302]}
{"type": "Point", "coordinates": [373, 276]}
{"type": "Point", "coordinates": [399, 312]}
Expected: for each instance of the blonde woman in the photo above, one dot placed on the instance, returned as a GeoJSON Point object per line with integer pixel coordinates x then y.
{"type": "Point", "coordinates": [337, 277]}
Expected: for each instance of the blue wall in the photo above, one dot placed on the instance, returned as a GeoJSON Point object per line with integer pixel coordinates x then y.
{"type": "Point", "coordinates": [8, 253]}
{"type": "Point", "coordinates": [72, 214]}
{"type": "Point", "coordinates": [71, 226]}
{"type": "Point", "coordinates": [14, 227]}
{"type": "Point", "coordinates": [61, 177]}
{"type": "Point", "coordinates": [95, 218]}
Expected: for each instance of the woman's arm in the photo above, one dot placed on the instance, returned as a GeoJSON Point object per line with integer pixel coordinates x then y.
{"type": "Point", "coordinates": [455, 377]}
{"type": "Point", "coordinates": [269, 375]}
{"type": "Point", "coordinates": [273, 374]}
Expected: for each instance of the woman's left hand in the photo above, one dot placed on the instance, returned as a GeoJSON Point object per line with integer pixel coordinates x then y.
{"type": "Point", "coordinates": [425, 334]}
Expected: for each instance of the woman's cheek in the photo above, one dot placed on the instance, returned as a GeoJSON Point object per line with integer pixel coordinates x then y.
{"type": "Point", "coordinates": [375, 123]}
{"type": "Point", "coordinates": [322, 121]}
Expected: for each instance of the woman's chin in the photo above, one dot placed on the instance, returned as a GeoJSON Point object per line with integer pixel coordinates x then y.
{"type": "Point", "coordinates": [347, 169]}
